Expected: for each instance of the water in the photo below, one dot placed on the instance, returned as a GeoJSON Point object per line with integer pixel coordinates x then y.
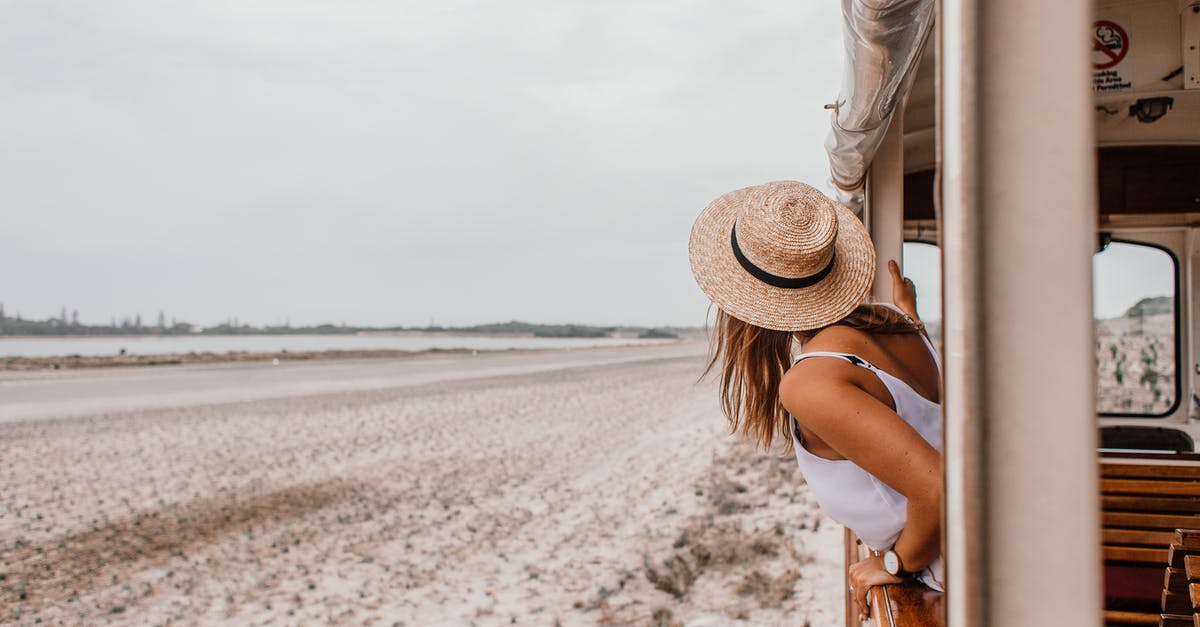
{"type": "Point", "coordinates": [156, 345]}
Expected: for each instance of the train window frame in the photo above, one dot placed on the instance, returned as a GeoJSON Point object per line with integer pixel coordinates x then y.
{"type": "Point", "coordinates": [1175, 333]}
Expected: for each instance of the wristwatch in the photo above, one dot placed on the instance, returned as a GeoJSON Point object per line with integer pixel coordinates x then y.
{"type": "Point", "coordinates": [892, 563]}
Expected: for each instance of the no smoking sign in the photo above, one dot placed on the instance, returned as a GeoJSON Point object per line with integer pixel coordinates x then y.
{"type": "Point", "coordinates": [1110, 44]}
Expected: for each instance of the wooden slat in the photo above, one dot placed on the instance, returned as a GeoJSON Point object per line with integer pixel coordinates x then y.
{"type": "Point", "coordinates": [1188, 539]}
{"type": "Point", "coordinates": [1150, 487]}
{"type": "Point", "coordinates": [1176, 620]}
{"type": "Point", "coordinates": [1194, 595]}
{"type": "Point", "coordinates": [1176, 603]}
{"type": "Point", "coordinates": [1134, 554]}
{"type": "Point", "coordinates": [1176, 555]}
{"type": "Point", "coordinates": [1175, 580]}
{"type": "Point", "coordinates": [1150, 504]}
{"type": "Point", "coordinates": [1152, 471]}
{"type": "Point", "coordinates": [1132, 520]}
{"type": "Point", "coordinates": [1129, 619]}
{"type": "Point", "coordinates": [1137, 537]}
{"type": "Point", "coordinates": [1191, 566]}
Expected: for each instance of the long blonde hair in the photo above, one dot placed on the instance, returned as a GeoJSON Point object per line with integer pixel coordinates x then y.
{"type": "Point", "coordinates": [753, 361]}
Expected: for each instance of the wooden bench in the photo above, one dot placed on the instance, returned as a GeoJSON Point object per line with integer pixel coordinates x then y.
{"type": "Point", "coordinates": [1181, 584]}
{"type": "Point", "coordinates": [1144, 501]}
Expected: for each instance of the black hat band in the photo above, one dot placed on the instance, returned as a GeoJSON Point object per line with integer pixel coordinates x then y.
{"type": "Point", "coordinates": [773, 279]}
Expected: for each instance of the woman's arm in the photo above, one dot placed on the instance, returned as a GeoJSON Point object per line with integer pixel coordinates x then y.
{"type": "Point", "coordinates": [824, 398]}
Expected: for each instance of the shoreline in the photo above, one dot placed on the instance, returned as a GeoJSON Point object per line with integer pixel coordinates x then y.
{"type": "Point", "coordinates": [81, 362]}
{"type": "Point", "coordinates": [47, 354]}
{"type": "Point", "coordinates": [46, 394]}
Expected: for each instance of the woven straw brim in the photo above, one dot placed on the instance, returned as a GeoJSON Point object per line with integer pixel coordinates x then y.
{"type": "Point", "coordinates": [744, 297]}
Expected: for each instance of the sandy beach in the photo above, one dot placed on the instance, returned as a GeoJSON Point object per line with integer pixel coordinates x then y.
{"type": "Point", "coordinates": [607, 493]}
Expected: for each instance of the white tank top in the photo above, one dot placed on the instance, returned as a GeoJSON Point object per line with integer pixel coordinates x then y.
{"type": "Point", "coordinates": [854, 497]}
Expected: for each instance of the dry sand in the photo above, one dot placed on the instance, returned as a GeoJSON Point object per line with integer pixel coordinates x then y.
{"type": "Point", "coordinates": [598, 495]}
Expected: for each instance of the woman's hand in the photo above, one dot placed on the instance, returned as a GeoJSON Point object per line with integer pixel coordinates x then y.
{"type": "Point", "coordinates": [863, 576]}
{"type": "Point", "coordinates": [904, 293]}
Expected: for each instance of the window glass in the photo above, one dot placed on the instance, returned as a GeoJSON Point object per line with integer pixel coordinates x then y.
{"type": "Point", "coordinates": [923, 264]}
{"type": "Point", "coordinates": [1134, 308]}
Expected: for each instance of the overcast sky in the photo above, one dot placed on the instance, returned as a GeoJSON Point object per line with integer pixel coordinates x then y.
{"type": "Point", "coordinates": [392, 162]}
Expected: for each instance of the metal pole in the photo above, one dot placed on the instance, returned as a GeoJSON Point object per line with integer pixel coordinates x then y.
{"type": "Point", "coordinates": [966, 547]}
{"type": "Point", "coordinates": [1018, 204]}
{"type": "Point", "coordinates": [885, 204]}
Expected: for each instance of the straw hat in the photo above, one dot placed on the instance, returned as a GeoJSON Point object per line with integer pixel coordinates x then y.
{"type": "Point", "coordinates": [782, 256]}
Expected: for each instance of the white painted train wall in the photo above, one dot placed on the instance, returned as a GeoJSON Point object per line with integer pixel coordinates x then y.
{"type": "Point", "coordinates": [1146, 83]}
{"type": "Point", "coordinates": [1146, 71]}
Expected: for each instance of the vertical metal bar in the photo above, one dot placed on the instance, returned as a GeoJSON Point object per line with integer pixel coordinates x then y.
{"type": "Point", "coordinates": [966, 548]}
{"type": "Point", "coordinates": [1191, 360]}
{"type": "Point", "coordinates": [885, 204]}
{"type": "Point", "coordinates": [1019, 216]}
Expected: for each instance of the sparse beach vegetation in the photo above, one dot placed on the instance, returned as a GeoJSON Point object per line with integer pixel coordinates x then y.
{"type": "Point", "coordinates": [1135, 359]}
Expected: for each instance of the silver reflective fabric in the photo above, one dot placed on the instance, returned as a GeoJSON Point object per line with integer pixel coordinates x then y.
{"type": "Point", "coordinates": [883, 40]}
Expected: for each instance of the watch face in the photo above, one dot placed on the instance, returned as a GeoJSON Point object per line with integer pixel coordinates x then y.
{"type": "Point", "coordinates": [891, 562]}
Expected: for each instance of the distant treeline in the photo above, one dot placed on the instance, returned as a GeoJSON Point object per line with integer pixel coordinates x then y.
{"type": "Point", "coordinates": [71, 326]}
{"type": "Point", "coordinates": [53, 326]}
{"type": "Point", "coordinates": [527, 328]}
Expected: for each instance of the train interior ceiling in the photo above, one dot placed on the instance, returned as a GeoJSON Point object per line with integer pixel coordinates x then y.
{"type": "Point", "coordinates": [1146, 85]}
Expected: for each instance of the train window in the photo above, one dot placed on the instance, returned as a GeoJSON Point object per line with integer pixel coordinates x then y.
{"type": "Point", "coordinates": [1136, 319]}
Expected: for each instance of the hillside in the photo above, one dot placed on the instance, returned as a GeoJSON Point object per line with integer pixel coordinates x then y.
{"type": "Point", "coordinates": [1135, 360]}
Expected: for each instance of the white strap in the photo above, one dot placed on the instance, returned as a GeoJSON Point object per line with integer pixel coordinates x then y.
{"type": "Point", "coordinates": [854, 359]}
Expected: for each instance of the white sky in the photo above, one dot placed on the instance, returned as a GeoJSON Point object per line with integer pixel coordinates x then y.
{"type": "Point", "coordinates": [391, 162]}
{"type": "Point", "coordinates": [922, 265]}
{"type": "Point", "coordinates": [394, 162]}
{"type": "Point", "coordinates": [1125, 273]}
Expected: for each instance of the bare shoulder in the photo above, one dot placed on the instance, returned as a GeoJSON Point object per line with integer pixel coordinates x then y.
{"type": "Point", "coordinates": [840, 339]}
{"type": "Point", "coordinates": [813, 383]}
